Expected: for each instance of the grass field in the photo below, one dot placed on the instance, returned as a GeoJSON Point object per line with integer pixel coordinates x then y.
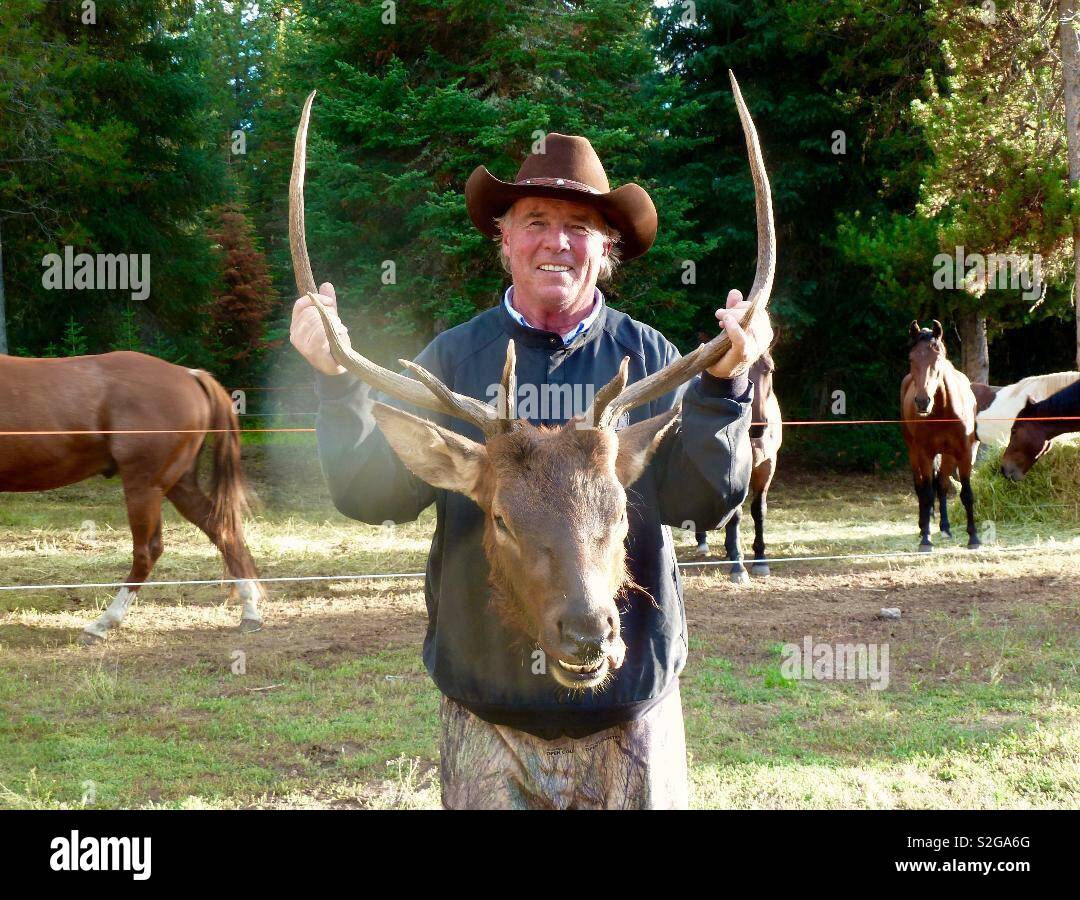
{"type": "Point", "coordinates": [334, 708]}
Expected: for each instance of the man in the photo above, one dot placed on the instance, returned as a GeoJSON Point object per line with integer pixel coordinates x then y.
{"type": "Point", "coordinates": [510, 739]}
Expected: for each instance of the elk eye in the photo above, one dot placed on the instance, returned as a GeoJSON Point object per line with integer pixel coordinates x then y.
{"type": "Point", "coordinates": [500, 523]}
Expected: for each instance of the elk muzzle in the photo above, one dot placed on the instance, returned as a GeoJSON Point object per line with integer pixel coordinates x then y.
{"type": "Point", "coordinates": [582, 638]}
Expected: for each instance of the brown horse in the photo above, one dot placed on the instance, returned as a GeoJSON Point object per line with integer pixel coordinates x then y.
{"type": "Point", "coordinates": [1031, 439]}
{"type": "Point", "coordinates": [766, 435]}
{"type": "Point", "coordinates": [937, 407]}
{"type": "Point", "coordinates": [144, 419]}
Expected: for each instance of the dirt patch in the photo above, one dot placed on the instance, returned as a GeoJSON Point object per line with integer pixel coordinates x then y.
{"type": "Point", "coordinates": [744, 623]}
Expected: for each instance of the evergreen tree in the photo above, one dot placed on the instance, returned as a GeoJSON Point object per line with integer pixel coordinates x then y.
{"type": "Point", "coordinates": [244, 297]}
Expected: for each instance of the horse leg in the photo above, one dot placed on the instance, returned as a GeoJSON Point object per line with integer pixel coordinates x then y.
{"type": "Point", "coordinates": [144, 518]}
{"type": "Point", "coordinates": [734, 553]}
{"type": "Point", "coordinates": [759, 484]}
{"type": "Point", "coordinates": [941, 483]}
{"type": "Point", "coordinates": [757, 509]}
{"type": "Point", "coordinates": [702, 538]}
{"type": "Point", "coordinates": [967, 497]}
{"type": "Point", "coordinates": [924, 490]}
{"type": "Point", "coordinates": [195, 506]}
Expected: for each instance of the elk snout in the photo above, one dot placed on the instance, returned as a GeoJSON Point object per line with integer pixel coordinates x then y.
{"type": "Point", "coordinates": [585, 638]}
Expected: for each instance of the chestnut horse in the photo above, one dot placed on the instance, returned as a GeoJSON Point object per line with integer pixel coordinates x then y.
{"type": "Point", "coordinates": [142, 418]}
{"type": "Point", "coordinates": [1031, 439]}
{"type": "Point", "coordinates": [766, 435]}
{"type": "Point", "coordinates": [937, 407]}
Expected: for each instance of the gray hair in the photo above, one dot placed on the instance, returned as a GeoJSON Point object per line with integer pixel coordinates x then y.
{"type": "Point", "coordinates": [607, 265]}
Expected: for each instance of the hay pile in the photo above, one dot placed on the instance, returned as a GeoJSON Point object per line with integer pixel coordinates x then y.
{"type": "Point", "coordinates": [1050, 493]}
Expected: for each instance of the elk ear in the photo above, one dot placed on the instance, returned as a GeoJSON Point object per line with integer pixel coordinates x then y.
{"type": "Point", "coordinates": [938, 330]}
{"type": "Point", "coordinates": [439, 456]}
{"type": "Point", "coordinates": [913, 329]}
{"type": "Point", "coordinates": [638, 443]}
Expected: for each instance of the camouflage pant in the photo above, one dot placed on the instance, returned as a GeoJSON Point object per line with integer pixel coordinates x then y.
{"type": "Point", "coordinates": [636, 765]}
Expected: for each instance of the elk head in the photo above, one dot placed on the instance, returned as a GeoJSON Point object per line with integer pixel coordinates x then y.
{"type": "Point", "coordinates": [553, 498]}
{"type": "Point", "coordinates": [926, 357]}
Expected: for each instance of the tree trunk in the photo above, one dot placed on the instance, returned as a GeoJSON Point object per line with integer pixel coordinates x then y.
{"type": "Point", "coordinates": [3, 314]}
{"type": "Point", "coordinates": [974, 352]}
{"type": "Point", "coordinates": [1070, 72]}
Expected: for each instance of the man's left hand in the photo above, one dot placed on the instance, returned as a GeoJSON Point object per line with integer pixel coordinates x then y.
{"type": "Point", "coordinates": [746, 344]}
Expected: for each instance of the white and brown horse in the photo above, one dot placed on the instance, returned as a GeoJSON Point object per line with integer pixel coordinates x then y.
{"type": "Point", "coordinates": [132, 415]}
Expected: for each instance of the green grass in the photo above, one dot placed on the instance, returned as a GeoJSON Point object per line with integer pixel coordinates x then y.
{"type": "Point", "coordinates": [335, 708]}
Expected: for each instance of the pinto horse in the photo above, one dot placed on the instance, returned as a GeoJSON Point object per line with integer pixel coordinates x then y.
{"type": "Point", "coordinates": [142, 418]}
{"type": "Point", "coordinates": [937, 409]}
{"type": "Point", "coordinates": [1031, 439]}
{"type": "Point", "coordinates": [766, 435]}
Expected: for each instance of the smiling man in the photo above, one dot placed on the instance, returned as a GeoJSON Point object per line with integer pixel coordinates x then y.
{"type": "Point", "coordinates": [513, 736]}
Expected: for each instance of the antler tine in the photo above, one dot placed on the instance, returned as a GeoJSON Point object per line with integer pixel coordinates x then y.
{"type": "Point", "coordinates": [596, 414]}
{"type": "Point", "coordinates": [509, 387]}
{"type": "Point", "coordinates": [425, 395]}
{"type": "Point", "coordinates": [683, 369]}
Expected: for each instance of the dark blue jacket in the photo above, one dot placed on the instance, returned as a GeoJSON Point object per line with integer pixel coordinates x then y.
{"type": "Point", "coordinates": [699, 475]}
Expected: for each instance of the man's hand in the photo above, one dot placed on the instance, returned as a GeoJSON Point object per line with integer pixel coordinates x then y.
{"type": "Point", "coordinates": [746, 346]}
{"type": "Point", "coordinates": [308, 335]}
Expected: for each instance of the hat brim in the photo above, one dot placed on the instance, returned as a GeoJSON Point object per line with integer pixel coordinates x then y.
{"type": "Point", "coordinates": [628, 208]}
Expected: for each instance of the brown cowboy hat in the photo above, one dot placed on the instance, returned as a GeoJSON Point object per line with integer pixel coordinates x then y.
{"type": "Point", "coordinates": [569, 169]}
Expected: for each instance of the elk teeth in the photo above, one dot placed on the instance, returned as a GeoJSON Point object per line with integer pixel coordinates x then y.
{"type": "Point", "coordinates": [581, 670]}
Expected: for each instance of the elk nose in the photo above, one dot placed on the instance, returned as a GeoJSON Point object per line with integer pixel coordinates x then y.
{"type": "Point", "coordinates": [586, 637]}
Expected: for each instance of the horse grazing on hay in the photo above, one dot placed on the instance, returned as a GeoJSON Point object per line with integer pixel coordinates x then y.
{"type": "Point", "coordinates": [766, 436]}
{"type": "Point", "coordinates": [938, 407]}
{"type": "Point", "coordinates": [1036, 425]}
{"type": "Point", "coordinates": [65, 420]}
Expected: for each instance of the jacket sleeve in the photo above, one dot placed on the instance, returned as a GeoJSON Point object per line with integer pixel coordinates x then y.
{"type": "Point", "coordinates": [703, 470]}
{"type": "Point", "coordinates": [366, 479]}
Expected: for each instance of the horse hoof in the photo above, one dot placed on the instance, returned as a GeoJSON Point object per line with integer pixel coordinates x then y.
{"type": "Point", "coordinates": [974, 544]}
{"type": "Point", "coordinates": [250, 626]}
{"type": "Point", "coordinates": [702, 550]}
{"type": "Point", "coordinates": [760, 571]}
{"type": "Point", "coordinates": [925, 548]}
{"type": "Point", "coordinates": [740, 577]}
{"type": "Point", "coordinates": [946, 534]}
{"type": "Point", "coordinates": [89, 639]}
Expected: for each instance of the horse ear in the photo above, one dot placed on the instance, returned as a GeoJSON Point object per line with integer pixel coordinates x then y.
{"type": "Point", "coordinates": [938, 330]}
{"type": "Point", "coordinates": [913, 330]}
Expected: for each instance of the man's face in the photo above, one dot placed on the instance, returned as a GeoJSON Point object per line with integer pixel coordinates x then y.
{"type": "Point", "coordinates": [555, 249]}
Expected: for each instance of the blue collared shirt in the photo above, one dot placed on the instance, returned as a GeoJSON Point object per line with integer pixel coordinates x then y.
{"type": "Point", "coordinates": [568, 338]}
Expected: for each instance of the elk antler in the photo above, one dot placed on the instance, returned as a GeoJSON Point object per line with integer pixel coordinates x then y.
{"type": "Point", "coordinates": [428, 392]}
{"type": "Point", "coordinates": [615, 398]}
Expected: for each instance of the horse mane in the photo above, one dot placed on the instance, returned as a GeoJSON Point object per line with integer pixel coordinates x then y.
{"type": "Point", "coordinates": [1065, 402]}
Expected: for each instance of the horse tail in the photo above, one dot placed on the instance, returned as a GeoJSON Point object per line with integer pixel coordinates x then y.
{"type": "Point", "coordinates": [228, 489]}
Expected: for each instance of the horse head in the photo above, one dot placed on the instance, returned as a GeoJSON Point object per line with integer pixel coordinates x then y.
{"type": "Point", "coordinates": [1027, 442]}
{"type": "Point", "coordinates": [926, 355]}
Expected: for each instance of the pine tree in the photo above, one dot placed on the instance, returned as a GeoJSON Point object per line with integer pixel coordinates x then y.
{"type": "Point", "coordinates": [244, 298]}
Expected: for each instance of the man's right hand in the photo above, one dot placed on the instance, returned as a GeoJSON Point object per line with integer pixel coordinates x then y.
{"type": "Point", "coordinates": [308, 335]}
